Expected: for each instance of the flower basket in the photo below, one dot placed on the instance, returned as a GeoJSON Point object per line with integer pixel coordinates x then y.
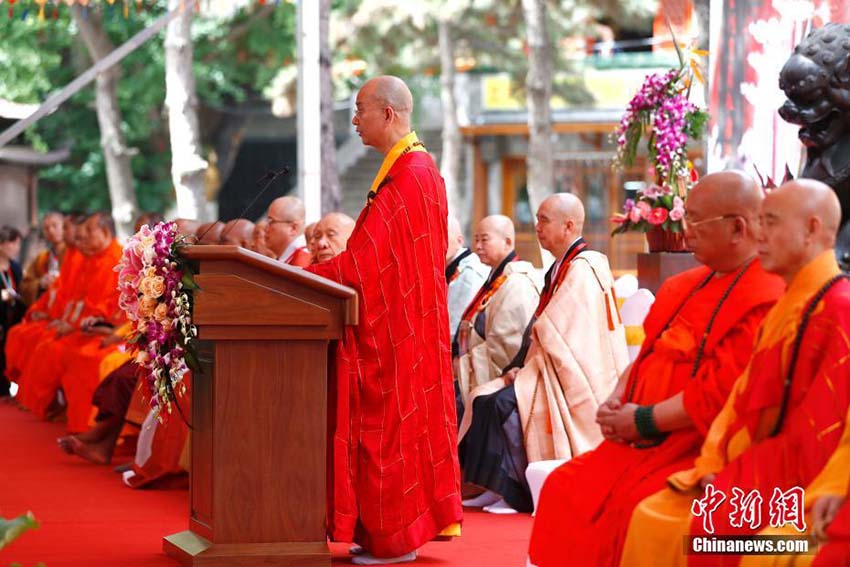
{"type": "Point", "coordinates": [661, 113]}
{"type": "Point", "coordinates": [661, 240]}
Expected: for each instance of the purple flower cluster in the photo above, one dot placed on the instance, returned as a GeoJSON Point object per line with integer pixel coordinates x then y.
{"type": "Point", "coordinates": [153, 296]}
{"type": "Point", "coordinates": [660, 106]}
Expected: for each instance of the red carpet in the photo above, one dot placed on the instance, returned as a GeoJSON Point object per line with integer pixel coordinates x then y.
{"type": "Point", "coordinates": [88, 517]}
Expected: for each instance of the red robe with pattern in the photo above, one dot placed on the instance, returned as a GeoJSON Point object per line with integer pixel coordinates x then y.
{"type": "Point", "coordinates": [818, 403]}
{"type": "Point", "coordinates": [395, 481]}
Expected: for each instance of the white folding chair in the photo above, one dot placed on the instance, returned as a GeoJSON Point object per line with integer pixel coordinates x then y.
{"type": "Point", "coordinates": [633, 312]}
{"type": "Point", "coordinates": [536, 474]}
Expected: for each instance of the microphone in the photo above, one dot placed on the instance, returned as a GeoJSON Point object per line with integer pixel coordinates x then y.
{"type": "Point", "coordinates": [271, 175]}
{"type": "Point", "coordinates": [268, 178]}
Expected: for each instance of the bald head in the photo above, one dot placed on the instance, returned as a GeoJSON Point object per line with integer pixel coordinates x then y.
{"type": "Point", "coordinates": [285, 223]}
{"type": "Point", "coordinates": [210, 233]}
{"type": "Point", "coordinates": [391, 91]}
{"type": "Point", "coordinates": [456, 240]}
{"type": "Point", "coordinates": [721, 220]}
{"type": "Point", "coordinates": [560, 221]}
{"type": "Point", "coordinates": [187, 227]}
{"type": "Point", "coordinates": [495, 238]}
{"type": "Point", "coordinates": [309, 230]}
{"type": "Point", "coordinates": [330, 236]}
{"type": "Point", "coordinates": [799, 222]}
{"type": "Point", "coordinates": [237, 232]}
{"type": "Point", "coordinates": [384, 105]}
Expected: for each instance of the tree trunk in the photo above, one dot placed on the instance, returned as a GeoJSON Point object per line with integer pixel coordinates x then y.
{"type": "Point", "coordinates": [538, 84]}
{"type": "Point", "coordinates": [450, 160]}
{"type": "Point", "coordinates": [116, 154]}
{"type": "Point", "coordinates": [331, 189]}
{"type": "Point", "coordinates": [187, 163]}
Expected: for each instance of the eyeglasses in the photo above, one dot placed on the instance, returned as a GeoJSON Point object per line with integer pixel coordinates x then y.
{"type": "Point", "coordinates": [686, 224]}
{"type": "Point", "coordinates": [270, 221]}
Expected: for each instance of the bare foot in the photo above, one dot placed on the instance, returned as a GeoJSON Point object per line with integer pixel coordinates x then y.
{"type": "Point", "coordinates": [65, 444]}
{"type": "Point", "coordinates": [94, 453]}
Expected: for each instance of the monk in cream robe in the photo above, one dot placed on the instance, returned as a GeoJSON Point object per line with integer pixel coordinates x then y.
{"type": "Point", "coordinates": [787, 411]}
{"type": "Point", "coordinates": [573, 351]}
{"type": "Point", "coordinates": [490, 332]}
{"type": "Point", "coordinates": [465, 274]}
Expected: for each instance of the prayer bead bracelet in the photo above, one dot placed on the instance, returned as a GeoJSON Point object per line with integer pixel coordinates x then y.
{"type": "Point", "coordinates": [645, 423]}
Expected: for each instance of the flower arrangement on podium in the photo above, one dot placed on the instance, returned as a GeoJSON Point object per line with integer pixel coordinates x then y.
{"type": "Point", "coordinates": [662, 113]}
{"type": "Point", "coordinates": [155, 285]}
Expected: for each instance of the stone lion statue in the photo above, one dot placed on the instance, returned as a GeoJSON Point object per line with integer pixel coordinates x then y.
{"type": "Point", "coordinates": [816, 80]}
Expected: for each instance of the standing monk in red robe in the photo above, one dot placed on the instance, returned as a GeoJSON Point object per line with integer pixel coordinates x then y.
{"type": "Point", "coordinates": [395, 474]}
{"type": "Point", "coordinates": [700, 334]}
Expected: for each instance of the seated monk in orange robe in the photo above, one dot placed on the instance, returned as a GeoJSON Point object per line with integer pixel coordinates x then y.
{"type": "Point", "coordinates": [787, 411]}
{"type": "Point", "coordinates": [72, 358]}
{"type": "Point", "coordinates": [699, 333]}
{"type": "Point", "coordinates": [44, 268]}
{"type": "Point", "coordinates": [50, 309]}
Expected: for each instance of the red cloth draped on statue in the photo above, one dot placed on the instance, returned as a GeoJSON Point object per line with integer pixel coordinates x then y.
{"type": "Point", "coordinates": [394, 466]}
{"type": "Point", "coordinates": [585, 504]}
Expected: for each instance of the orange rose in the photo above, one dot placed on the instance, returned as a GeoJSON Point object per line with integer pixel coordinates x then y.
{"type": "Point", "coordinates": [147, 305]}
{"type": "Point", "coordinates": [153, 286]}
{"type": "Point", "coordinates": [161, 312]}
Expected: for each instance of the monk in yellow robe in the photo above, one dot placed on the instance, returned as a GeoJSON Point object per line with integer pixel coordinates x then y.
{"type": "Point", "coordinates": [699, 332]}
{"type": "Point", "coordinates": [831, 512]}
{"type": "Point", "coordinates": [72, 358]}
{"type": "Point", "coordinates": [787, 411]}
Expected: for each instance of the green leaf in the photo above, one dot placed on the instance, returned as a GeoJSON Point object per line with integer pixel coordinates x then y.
{"type": "Point", "coordinates": [10, 530]}
{"type": "Point", "coordinates": [192, 358]}
{"type": "Point", "coordinates": [188, 281]}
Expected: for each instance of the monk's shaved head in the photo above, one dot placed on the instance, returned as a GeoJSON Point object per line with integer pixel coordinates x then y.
{"type": "Point", "coordinates": [799, 222]}
{"type": "Point", "coordinates": [456, 240]}
{"type": "Point", "coordinates": [498, 224]}
{"type": "Point", "coordinates": [285, 223]}
{"type": "Point", "coordinates": [187, 227]}
{"type": "Point", "coordinates": [560, 221]}
{"type": "Point", "coordinates": [383, 108]}
{"type": "Point", "coordinates": [729, 192]}
{"type": "Point", "coordinates": [237, 232]}
{"type": "Point", "coordinates": [331, 235]}
{"type": "Point", "coordinates": [721, 220]}
{"type": "Point", "coordinates": [210, 233]}
{"type": "Point", "coordinates": [391, 91]}
{"type": "Point", "coordinates": [812, 198]}
{"type": "Point", "coordinates": [495, 238]}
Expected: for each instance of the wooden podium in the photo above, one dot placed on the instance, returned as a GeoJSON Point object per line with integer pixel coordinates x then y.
{"type": "Point", "coordinates": [259, 411]}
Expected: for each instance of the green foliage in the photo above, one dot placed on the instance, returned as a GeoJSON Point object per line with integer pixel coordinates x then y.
{"type": "Point", "coordinates": [234, 60]}
{"type": "Point", "coordinates": [10, 530]}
